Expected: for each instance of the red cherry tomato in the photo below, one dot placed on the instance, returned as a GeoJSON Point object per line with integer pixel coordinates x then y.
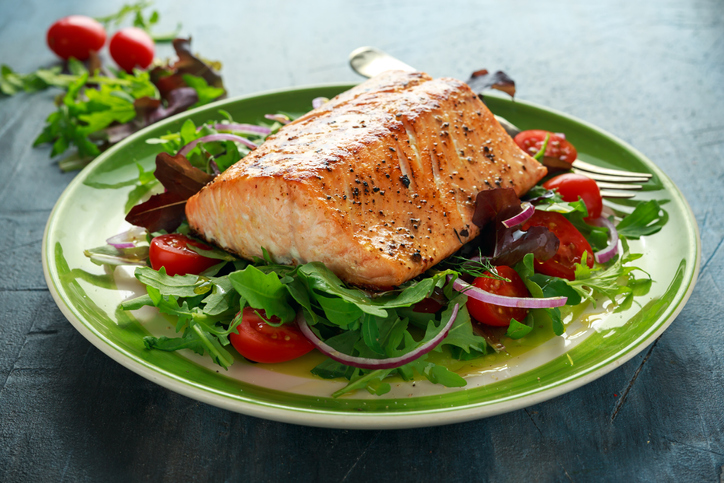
{"type": "Point", "coordinates": [76, 36]}
{"type": "Point", "coordinates": [496, 315]}
{"type": "Point", "coordinates": [559, 151]}
{"type": "Point", "coordinates": [571, 186]}
{"type": "Point", "coordinates": [260, 342]}
{"type": "Point", "coordinates": [171, 251]}
{"type": "Point", "coordinates": [571, 249]}
{"type": "Point", "coordinates": [131, 47]}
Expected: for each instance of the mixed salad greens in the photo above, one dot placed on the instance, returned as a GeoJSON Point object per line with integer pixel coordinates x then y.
{"type": "Point", "coordinates": [102, 105]}
{"type": "Point", "coordinates": [367, 336]}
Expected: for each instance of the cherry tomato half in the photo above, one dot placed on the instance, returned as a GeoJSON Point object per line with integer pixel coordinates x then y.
{"type": "Point", "coordinates": [76, 36]}
{"type": "Point", "coordinates": [496, 315]}
{"type": "Point", "coordinates": [260, 342]}
{"type": "Point", "coordinates": [131, 47]}
{"type": "Point", "coordinates": [570, 251]}
{"type": "Point", "coordinates": [171, 251]}
{"type": "Point", "coordinates": [559, 153]}
{"type": "Point", "coordinates": [571, 186]}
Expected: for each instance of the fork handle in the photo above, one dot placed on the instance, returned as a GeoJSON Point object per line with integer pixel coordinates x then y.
{"type": "Point", "coordinates": [369, 61]}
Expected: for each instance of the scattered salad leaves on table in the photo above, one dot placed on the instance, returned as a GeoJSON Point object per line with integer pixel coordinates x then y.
{"type": "Point", "coordinates": [101, 105]}
{"type": "Point", "coordinates": [92, 119]}
{"type": "Point", "coordinates": [143, 21]}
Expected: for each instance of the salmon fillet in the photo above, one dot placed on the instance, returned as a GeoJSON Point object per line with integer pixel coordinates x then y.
{"type": "Point", "coordinates": [379, 183]}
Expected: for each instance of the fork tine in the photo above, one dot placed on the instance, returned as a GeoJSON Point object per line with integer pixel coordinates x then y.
{"type": "Point", "coordinates": [613, 172]}
{"type": "Point", "coordinates": [608, 177]}
{"type": "Point", "coordinates": [617, 186]}
{"type": "Point", "coordinates": [602, 176]}
{"type": "Point", "coordinates": [617, 194]}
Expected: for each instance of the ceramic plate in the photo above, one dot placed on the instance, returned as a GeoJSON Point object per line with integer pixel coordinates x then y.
{"type": "Point", "coordinates": [598, 340]}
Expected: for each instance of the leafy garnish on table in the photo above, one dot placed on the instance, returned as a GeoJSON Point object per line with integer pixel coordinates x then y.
{"type": "Point", "coordinates": [141, 20]}
{"type": "Point", "coordinates": [97, 111]}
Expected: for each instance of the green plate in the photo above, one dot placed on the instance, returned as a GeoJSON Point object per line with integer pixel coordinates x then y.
{"type": "Point", "coordinates": [92, 209]}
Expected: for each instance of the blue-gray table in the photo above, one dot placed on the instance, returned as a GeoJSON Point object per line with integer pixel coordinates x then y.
{"type": "Point", "coordinates": [651, 72]}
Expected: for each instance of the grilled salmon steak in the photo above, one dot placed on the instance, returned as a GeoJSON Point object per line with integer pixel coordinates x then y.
{"type": "Point", "coordinates": [379, 183]}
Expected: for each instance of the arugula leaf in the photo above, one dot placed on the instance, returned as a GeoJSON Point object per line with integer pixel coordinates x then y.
{"type": "Point", "coordinates": [196, 339]}
{"type": "Point", "coordinates": [438, 374]}
{"type": "Point", "coordinates": [222, 299]}
{"type": "Point", "coordinates": [461, 334]}
{"type": "Point", "coordinates": [263, 291]}
{"type": "Point", "coordinates": [556, 320]}
{"type": "Point", "coordinates": [171, 344]}
{"type": "Point", "coordinates": [318, 278]}
{"type": "Point", "coordinates": [647, 218]}
{"type": "Point", "coordinates": [137, 303]}
{"type": "Point", "coordinates": [363, 380]}
{"type": "Point", "coordinates": [371, 334]}
{"type": "Point", "coordinates": [215, 253]}
{"type": "Point", "coordinates": [344, 343]}
{"type": "Point", "coordinates": [556, 287]}
{"type": "Point", "coordinates": [177, 285]}
{"type": "Point", "coordinates": [338, 311]}
{"type": "Point", "coordinates": [517, 330]}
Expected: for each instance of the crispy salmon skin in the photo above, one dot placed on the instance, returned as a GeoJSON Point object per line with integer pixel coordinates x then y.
{"type": "Point", "coordinates": [379, 183]}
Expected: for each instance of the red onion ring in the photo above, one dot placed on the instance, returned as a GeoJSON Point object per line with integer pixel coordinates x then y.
{"type": "Point", "coordinates": [366, 363]}
{"type": "Point", "coordinates": [278, 117]}
{"type": "Point", "coordinates": [238, 127]}
{"type": "Point", "coordinates": [519, 302]}
{"type": "Point", "coordinates": [128, 238]}
{"type": "Point", "coordinates": [611, 249]}
{"type": "Point", "coordinates": [528, 210]}
{"type": "Point", "coordinates": [216, 137]}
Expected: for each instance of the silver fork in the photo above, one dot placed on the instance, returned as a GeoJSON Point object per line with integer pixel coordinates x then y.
{"type": "Point", "coordinates": [369, 61]}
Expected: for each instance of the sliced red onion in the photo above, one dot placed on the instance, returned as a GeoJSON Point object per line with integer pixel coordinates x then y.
{"type": "Point", "coordinates": [611, 250]}
{"type": "Point", "coordinates": [519, 302]}
{"type": "Point", "coordinates": [279, 118]}
{"type": "Point", "coordinates": [367, 363]}
{"type": "Point", "coordinates": [238, 127]}
{"type": "Point", "coordinates": [128, 238]}
{"type": "Point", "coordinates": [528, 210]}
{"type": "Point", "coordinates": [318, 101]}
{"type": "Point", "coordinates": [216, 137]}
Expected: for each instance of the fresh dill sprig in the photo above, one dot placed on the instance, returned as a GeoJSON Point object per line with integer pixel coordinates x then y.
{"type": "Point", "coordinates": [479, 266]}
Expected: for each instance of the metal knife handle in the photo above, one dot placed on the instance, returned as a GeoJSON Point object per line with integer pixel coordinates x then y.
{"type": "Point", "coordinates": [369, 61]}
